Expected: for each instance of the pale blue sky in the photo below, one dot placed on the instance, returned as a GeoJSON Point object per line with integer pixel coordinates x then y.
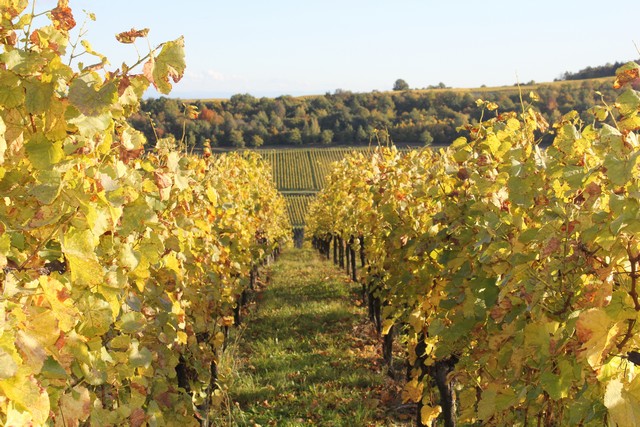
{"type": "Point", "coordinates": [276, 47]}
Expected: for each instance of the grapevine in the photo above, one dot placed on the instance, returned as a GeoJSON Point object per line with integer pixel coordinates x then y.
{"type": "Point", "coordinates": [512, 269]}
{"type": "Point", "coordinates": [120, 268]}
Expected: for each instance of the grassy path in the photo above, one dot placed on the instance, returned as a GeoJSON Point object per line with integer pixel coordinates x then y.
{"type": "Point", "coordinates": [299, 360]}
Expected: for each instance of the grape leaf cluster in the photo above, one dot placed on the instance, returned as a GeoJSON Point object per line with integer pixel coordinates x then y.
{"type": "Point", "coordinates": [515, 266]}
{"type": "Point", "coordinates": [119, 268]}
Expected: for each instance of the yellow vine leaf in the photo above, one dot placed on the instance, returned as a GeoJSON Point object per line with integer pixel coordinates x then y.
{"type": "Point", "coordinates": [412, 391]}
{"type": "Point", "coordinates": [596, 331]}
{"type": "Point", "coordinates": [623, 402]}
{"type": "Point", "coordinates": [8, 366]}
{"type": "Point", "coordinates": [74, 407]}
{"type": "Point", "coordinates": [386, 326]}
{"type": "Point", "coordinates": [428, 414]}
{"type": "Point", "coordinates": [78, 247]}
{"type": "Point", "coordinates": [27, 396]}
{"type": "Point", "coordinates": [3, 141]}
{"type": "Point", "coordinates": [169, 64]}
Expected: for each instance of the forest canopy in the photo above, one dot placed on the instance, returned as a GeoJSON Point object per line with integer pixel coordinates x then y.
{"type": "Point", "coordinates": [423, 117]}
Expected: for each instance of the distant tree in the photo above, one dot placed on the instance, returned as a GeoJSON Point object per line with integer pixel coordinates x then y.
{"type": "Point", "coordinates": [256, 141]}
{"type": "Point", "coordinates": [275, 122]}
{"type": "Point", "coordinates": [326, 137]}
{"type": "Point", "coordinates": [314, 129]}
{"type": "Point", "coordinates": [262, 117]}
{"type": "Point", "coordinates": [426, 138]}
{"type": "Point", "coordinates": [236, 138]}
{"type": "Point", "coordinates": [400, 85]}
{"type": "Point", "coordinates": [279, 109]}
{"type": "Point", "coordinates": [295, 136]}
{"type": "Point", "coordinates": [361, 135]}
{"type": "Point", "coordinates": [207, 115]}
{"type": "Point", "coordinates": [346, 135]}
{"type": "Point", "coordinates": [593, 72]}
{"type": "Point", "coordinates": [385, 103]}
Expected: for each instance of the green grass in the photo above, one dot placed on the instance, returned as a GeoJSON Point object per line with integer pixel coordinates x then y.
{"type": "Point", "coordinates": [298, 361]}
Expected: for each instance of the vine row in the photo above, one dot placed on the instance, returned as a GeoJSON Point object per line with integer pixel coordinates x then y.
{"type": "Point", "coordinates": [510, 269]}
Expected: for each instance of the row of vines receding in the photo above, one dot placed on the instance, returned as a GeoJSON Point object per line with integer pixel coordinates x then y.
{"type": "Point", "coordinates": [120, 270]}
{"type": "Point", "coordinates": [511, 270]}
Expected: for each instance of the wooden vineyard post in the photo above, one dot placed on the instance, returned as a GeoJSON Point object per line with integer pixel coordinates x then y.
{"type": "Point", "coordinates": [347, 256]}
{"type": "Point", "coordinates": [354, 273]}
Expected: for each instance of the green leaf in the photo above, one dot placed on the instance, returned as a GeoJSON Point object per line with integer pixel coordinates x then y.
{"type": "Point", "coordinates": [48, 188]}
{"type": "Point", "coordinates": [95, 372]}
{"type": "Point", "coordinates": [96, 316]}
{"type": "Point", "coordinates": [75, 406]}
{"type": "Point", "coordinates": [32, 351]}
{"type": "Point", "coordinates": [620, 170]}
{"type": "Point", "coordinates": [601, 113]}
{"type": "Point", "coordinates": [23, 62]}
{"type": "Point", "coordinates": [136, 216]}
{"type": "Point", "coordinates": [128, 257]}
{"type": "Point", "coordinates": [11, 93]}
{"type": "Point", "coordinates": [555, 385]}
{"type": "Point", "coordinates": [3, 141]}
{"type": "Point", "coordinates": [169, 64]}
{"type": "Point", "coordinates": [43, 153]}
{"type": "Point", "coordinates": [120, 342]}
{"type": "Point", "coordinates": [628, 102]}
{"type": "Point", "coordinates": [38, 96]}
{"type": "Point", "coordinates": [92, 97]}
{"type": "Point", "coordinates": [89, 125]}
{"type": "Point", "coordinates": [529, 235]}
{"type": "Point", "coordinates": [487, 404]}
{"type": "Point", "coordinates": [131, 322]}
{"type": "Point", "coordinates": [53, 370]}
{"type": "Point", "coordinates": [78, 247]}
{"type": "Point", "coordinates": [139, 357]}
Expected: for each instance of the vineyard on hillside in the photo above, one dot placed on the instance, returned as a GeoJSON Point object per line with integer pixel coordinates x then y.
{"type": "Point", "coordinates": [511, 271]}
{"type": "Point", "coordinates": [304, 170]}
{"type": "Point", "coordinates": [297, 205]}
{"type": "Point", "coordinates": [300, 173]}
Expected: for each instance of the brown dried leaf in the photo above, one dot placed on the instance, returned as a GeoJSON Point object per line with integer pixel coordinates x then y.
{"type": "Point", "coordinates": [624, 77]}
{"type": "Point", "coordinates": [130, 36]}
{"type": "Point", "coordinates": [63, 18]}
{"type": "Point", "coordinates": [593, 189]}
{"type": "Point", "coordinates": [137, 417]}
{"type": "Point", "coordinates": [10, 38]}
{"type": "Point", "coordinates": [163, 180]}
{"type": "Point", "coordinates": [147, 70]}
{"type": "Point", "coordinates": [551, 246]}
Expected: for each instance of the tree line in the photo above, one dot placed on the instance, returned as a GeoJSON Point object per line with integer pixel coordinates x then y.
{"type": "Point", "coordinates": [607, 70]}
{"type": "Point", "coordinates": [404, 116]}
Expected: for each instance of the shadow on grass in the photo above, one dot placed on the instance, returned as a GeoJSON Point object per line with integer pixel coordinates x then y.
{"type": "Point", "coordinates": [298, 367]}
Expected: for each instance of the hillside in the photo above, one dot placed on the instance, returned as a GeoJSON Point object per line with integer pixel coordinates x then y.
{"type": "Point", "coordinates": [300, 173]}
{"type": "Point", "coordinates": [425, 116]}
